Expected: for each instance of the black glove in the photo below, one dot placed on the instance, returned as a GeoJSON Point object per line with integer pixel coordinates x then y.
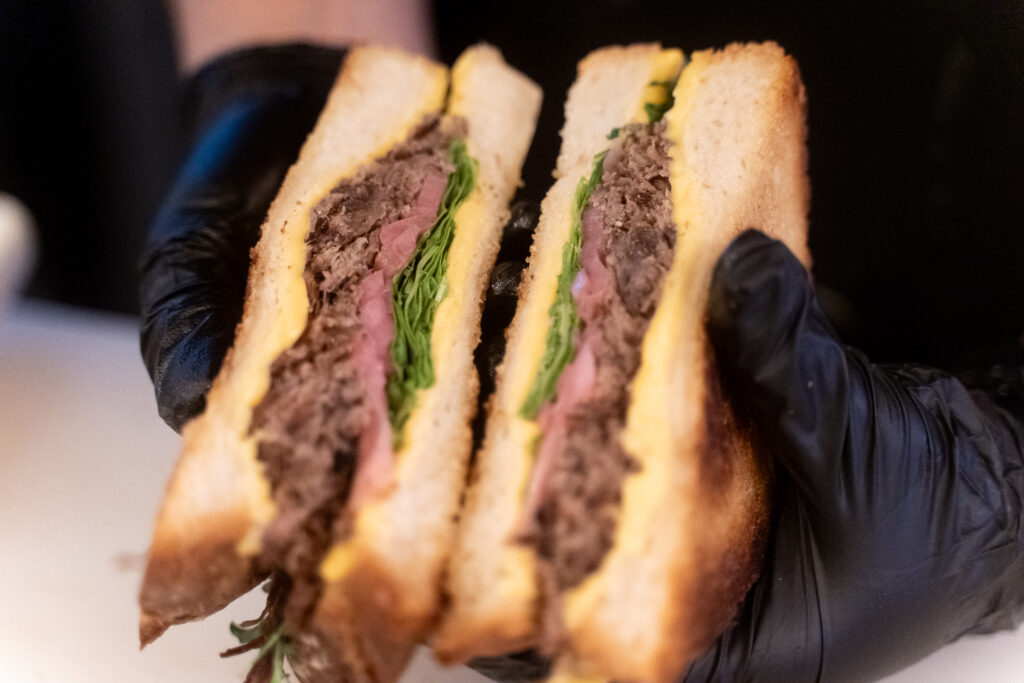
{"type": "Point", "coordinates": [899, 509]}
{"type": "Point", "coordinates": [249, 113]}
{"type": "Point", "coordinates": [898, 522]}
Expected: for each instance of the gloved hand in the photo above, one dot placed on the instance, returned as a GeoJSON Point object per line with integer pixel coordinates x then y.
{"type": "Point", "coordinates": [249, 114]}
{"type": "Point", "coordinates": [899, 509]}
{"type": "Point", "coordinates": [898, 521]}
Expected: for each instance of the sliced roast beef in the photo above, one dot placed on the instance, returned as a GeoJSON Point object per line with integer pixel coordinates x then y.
{"type": "Point", "coordinates": [322, 427]}
{"type": "Point", "coordinates": [627, 243]}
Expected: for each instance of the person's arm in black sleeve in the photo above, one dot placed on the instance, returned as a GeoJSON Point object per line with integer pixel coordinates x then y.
{"type": "Point", "coordinates": [899, 508]}
{"type": "Point", "coordinates": [250, 112]}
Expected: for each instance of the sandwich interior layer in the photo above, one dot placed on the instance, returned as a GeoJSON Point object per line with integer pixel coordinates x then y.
{"type": "Point", "coordinates": [626, 241]}
{"type": "Point", "coordinates": [324, 428]}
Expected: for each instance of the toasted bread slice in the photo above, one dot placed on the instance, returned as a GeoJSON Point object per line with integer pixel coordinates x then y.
{"type": "Point", "coordinates": [492, 578]}
{"type": "Point", "coordinates": [217, 501]}
{"type": "Point", "coordinates": [694, 517]}
{"type": "Point", "coordinates": [387, 574]}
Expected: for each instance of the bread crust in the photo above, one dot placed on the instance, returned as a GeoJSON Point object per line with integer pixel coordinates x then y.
{"type": "Point", "coordinates": [217, 500]}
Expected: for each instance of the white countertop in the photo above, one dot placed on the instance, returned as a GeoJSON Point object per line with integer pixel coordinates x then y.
{"type": "Point", "coordinates": [83, 460]}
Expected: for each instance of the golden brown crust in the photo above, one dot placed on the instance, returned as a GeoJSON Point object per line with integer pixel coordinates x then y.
{"type": "Point", "coordinates": [315, 658]}
{"type": "Point", "coordinates": [728, 439]}
{"type": "Point", "coordinates": [365, 616]}
{"type": "Point", "coordinates": [222, 574]}
{"type": "Point", "coordinates": [728, 562]}
{"type": "Point", "coordinates": [194, 567]}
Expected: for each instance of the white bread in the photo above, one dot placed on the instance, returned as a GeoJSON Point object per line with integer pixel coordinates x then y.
{"type": "Point", "coordinates": [387, 575]}
{"type": "Point", "coordinates": [493, 597]}
{"type": "Point", "coordinates": [694, 518]}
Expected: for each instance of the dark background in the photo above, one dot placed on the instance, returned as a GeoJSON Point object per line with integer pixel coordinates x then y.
{"type": "Point", "coordinates": [89, 137]}
{"type": "Point", "coordinates": [916, 119]}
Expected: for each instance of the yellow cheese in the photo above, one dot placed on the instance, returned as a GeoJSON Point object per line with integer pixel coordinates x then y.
{"type": "Point", "coordinates": [665, 69]}
{"type": "Point", "coordinates": [338, 562]}
{"type": "Point", "coordinates": [460, 259]}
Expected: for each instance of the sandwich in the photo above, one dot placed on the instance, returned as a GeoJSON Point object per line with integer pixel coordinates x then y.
{"type": "Point", "coordinates": [333, 449]}
{"type": "Point", "coordinates": [618, 506]}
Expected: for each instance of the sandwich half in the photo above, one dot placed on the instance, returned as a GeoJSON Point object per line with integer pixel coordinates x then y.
{"type": "Point", "coordinates": [618, 507]}
{"type": "Point", "coordinates": [332, 453]}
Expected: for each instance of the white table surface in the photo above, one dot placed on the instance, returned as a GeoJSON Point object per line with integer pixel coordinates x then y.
{"type": "Point", "coordinates": [83, 460]}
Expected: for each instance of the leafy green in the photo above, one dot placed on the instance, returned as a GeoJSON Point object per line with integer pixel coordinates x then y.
{"type": "Point", "coordinates": [559, 350]}
{"type": "Point", "coordinates": [278, 643]}
{"type": "Point", "coordinates": [655, 112]}
{"type": "Point", "coordinates": [246, 634]}
{"type": "Point", "coordinates": [254, 633]}
{"type": "Point", "coordinates": [418, 289]}
{"type": "Point", "coordinates": [614, 134]}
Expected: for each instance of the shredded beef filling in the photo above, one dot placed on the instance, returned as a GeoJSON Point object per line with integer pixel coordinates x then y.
{"type": "Point", "coordinates": [628, 240]}
{"type": "Point", "coordinates": [309, 423]}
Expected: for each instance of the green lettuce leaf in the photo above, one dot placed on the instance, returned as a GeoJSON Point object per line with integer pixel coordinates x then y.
{"type": "Point", "coordinates": [416, 292]}
{"type": "Point", "coordinates": [655, 112]}
{"type": "Point", "coordinates": [559, 345]}
{"type": "Point", "coordinates": [274, 644]}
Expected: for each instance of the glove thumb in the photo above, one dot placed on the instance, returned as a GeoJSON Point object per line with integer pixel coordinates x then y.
{"type": "Point", "coordinates": [780, 354]}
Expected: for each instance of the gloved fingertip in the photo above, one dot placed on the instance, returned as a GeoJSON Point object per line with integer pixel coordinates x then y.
{"type": "Point", "coordinates": [758, 287]}
{"type": "Point", "coordinates": [181, 389]}
{"type": "Point", "coordinates": [183, 349]}
{"type": "Point", "coordinates": [177, 414]}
